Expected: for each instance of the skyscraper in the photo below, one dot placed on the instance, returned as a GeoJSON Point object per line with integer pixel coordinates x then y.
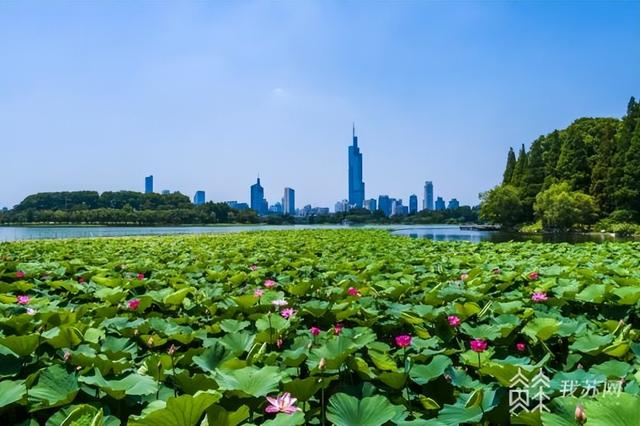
{"type": "Point", "coordinates": [384, 204]}
{"type": "Point", "coordinates": [453, 204]}
{"type": "Point", "coordinates": [289, 201]}
{"type": "Point", "coordinates": [371, 204]}
{"type": "Point", "coordinates": [198, 199]}
{"type": "Point", "coordinates": [148, 184]}
{"type": "Point", "coordinates": [257, 197]}
{"type": "Point", "coordinates": [427, 204]}
{"type": "Point", "coordinates": [439, 203]}
{"type": "Point", "coordinates": [413, 204]}
{"type": "Point", "coordinates": [356, 185]}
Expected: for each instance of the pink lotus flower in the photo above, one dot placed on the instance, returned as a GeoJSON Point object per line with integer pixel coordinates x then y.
{"type": "Point", "coordinates": [22, 300]}
{"type": "Point", "coordinates": [258, 293]}
{"type": "Point", "coordinates": [253, 267]}
{"type": "Point", "coordinates": [287, 313]}
{"type": "Point", "coordinates": [496, 271]}
{"type": "Point", "coordinates": [521, 346]}
{"type": "Point", "coordinates": [270, 283]}
{"type": "Point", "coordinates": [133, 304]}
{"type": "Point", "coordinates": [140, 276]}
{"type": "Point", "coordinates": [534, 275]}
{"type": "Point", "coordinates": [279, 342]}
{"type": "Point", "coordinates": [454, 320]}
{"type": "Point", "coordinates": [81, 280]}
{"type": "Point", "coordinates": [464, 276]}
{"type": "Point", "coordinates": [352, 291]}
{"type": "Point", "coordinates": [279, 302]}
{"type": "Point", "coordinates": [314, 330]}
{"type": "Point", "coordinates": [337, 329]}
{"type": "Point", "coordinates": [479, 345]}
{"type": "Point", "coordinates": [403, 340]}
{"type": "Point", "coordinates": [19, 274]}
{"type": "Point", "coordinates": [539, 296]}
{"type": "Point", "coordinates": [282, 404]}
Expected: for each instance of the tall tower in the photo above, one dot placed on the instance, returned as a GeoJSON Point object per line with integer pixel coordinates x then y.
{"type": "Point", "coordinates": [356, 184]}
{"type": "Point", "coordinates": [289, 201]}
{"type": "Point", "coordinates": [148, 184]}
{"type": "Point", "coordinates": [428, 196]}
{"type": "Point", "coordinates": [257, 197]}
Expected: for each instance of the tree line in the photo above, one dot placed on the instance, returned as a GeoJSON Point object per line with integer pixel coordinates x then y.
{"type": "Point", "coordinates": [572, 178]}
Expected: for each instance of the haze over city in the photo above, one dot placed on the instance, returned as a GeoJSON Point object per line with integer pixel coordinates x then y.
{"type": "Point", "coordinates": [207, 96]}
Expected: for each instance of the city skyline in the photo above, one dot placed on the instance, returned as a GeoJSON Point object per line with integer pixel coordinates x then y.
{"type": "Point", "coordinates": [200, 95]}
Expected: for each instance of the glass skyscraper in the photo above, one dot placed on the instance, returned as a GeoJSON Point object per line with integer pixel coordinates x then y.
{"type": "Point", "coordinates": [198, 199]}
{"type": "Point", "coordinates": [428, 196]}
{"type": "Point", "coordinates": [440, 204]}
{"type": "Point", "coordinates": [356, 185]}
{"type": "Point", "coordinates": [384, 204]}
{"type": "Point", "coordinates": [289, 201]}
{"type": "Point", "coordinates": [413, 204]}
{"type": "Point", "coordinates": [148, 184]}
{"type": "Point", "coordinates": [257, 198]}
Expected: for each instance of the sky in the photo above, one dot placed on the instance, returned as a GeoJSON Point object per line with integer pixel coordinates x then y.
{"type": "Point", "coordinates": [207, 95]}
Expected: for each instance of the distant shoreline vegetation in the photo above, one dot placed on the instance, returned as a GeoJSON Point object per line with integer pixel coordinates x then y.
{"type": "Point", "coordinates": [582, 178]}
{"type": "Point", "coordinates": [129, 208]}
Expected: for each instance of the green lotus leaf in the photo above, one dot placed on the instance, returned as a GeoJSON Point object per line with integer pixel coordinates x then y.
{"type": "Point", "coordinates": [346, 410]}
{"type": "Point", "coordinates": [213, 357]}
{"type": "Point", "coordinates": [250, 380]}
{"type": "Point", "coordinates": [627, 295]}
{"type": "Point", "coordinates": [21, 345]}
{"type": "Point", "coordinates": [63, 337]}
{"type": "Point", "coordinates": [132, 384]}
{"type": "Point", "coordinates": [423, 374]}
{"type": "Point", "coordinates": [219, 416]}
{"type": "Point", "coordinates": [177, 297]}
{"type": "Point", "coordinates": [590, 343]}
{"type": "Point", "coordinates": [11, 391]}
{"type": "Point", "coordinates": [286, 420]}
{"type": "Point", "coordinates": [233, 326]}
{"type": "Point", "coordinates": [55, 387]}
{"type": "Point", "coordinates": [593, 293]}
{"type": "Point", "coordinates": [184, 410]}
{"type": "Point", "coordinates": [541, 328]}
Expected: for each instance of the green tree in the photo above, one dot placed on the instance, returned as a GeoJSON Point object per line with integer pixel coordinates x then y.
{"type": "Point", "coordinates": [560, 208]}
{"type": "Point", "coordinates": [502, 205]}
{"type": "Point", "coordinates": [552, 147]}
{"type": "Point", "coordinates": [533, 177]}
{"type": "Point", "coordinates": [519, 168]}
{"type": "Point", "coordinates": [573, 165]}
{"type": "Point", "coordinates": [511, 165]}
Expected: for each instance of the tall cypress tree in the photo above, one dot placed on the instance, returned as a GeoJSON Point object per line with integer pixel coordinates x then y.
{"type": "Point", "coordinates": [551, 155]}
{"type": "Point", "coordinates": [622, 174]}
{"type": "Point", "coordinates": [533, 176]}
{"type": "Point", "coordinates": [511, 164]}
{"type": "Point", "coordinates": [573, 163]}
{"type": "Point", "coordinates": [518, 170]}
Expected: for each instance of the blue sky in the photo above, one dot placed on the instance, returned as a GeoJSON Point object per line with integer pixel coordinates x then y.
{"type": "Point", "coordinates": [206, 95]}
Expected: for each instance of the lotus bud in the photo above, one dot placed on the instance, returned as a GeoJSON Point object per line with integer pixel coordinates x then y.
{"type": "Point", "coordinates": [150, 341]}
{"type": "Point", "coordinates": [322, 364]}
{"type": "Point", "coordinates": [172, 350]}
{"type": "Point", "coordinates": [136, 332]}
{"type": "Point", "coordinates": [448, 377]}
{"type": "Point", "coordinates": [66, 356]}
{"type": "Point", "coordinates": [581, 416]}
{"type": "Point", "coordinates": [579, 366]}
{"type": "Point", "coordinates": [78, 368]}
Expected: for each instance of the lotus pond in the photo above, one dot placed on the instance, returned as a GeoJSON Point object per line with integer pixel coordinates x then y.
{"type": "Point", "coordinates": [344, 327]}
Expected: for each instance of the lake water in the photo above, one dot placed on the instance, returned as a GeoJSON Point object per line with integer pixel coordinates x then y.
{"type": "Point", "coordinates": [432, 232]}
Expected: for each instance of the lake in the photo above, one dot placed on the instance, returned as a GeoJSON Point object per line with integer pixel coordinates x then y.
{"type": "Point", "coordinates": [432, 232]}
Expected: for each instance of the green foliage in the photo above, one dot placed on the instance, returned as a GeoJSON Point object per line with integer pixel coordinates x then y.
{"type": "Point", "coordinates": [502, 205]}
{"type": "Point", "coordinates": [203, 349]}
{"type": "Point", "coordinates": [560, 208]}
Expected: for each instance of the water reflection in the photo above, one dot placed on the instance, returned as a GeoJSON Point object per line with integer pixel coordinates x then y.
{"type": "Point", "coordinates": [456, 234]}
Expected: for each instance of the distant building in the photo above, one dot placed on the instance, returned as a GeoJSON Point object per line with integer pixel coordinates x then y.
{"type": "Point", "coordinates": [397, 208]}
{"type": "Point", "coordinates": [276, 208]}
{"type": "Point", "coordinates": [427, 203]}
{"type": "Point", "coordinates": [320, 211]}
{"type": "Point", "coordinates": [306, 210]}
{"type": "Point", "coordinates": [166, 192]}
{"type": "Point", "coordinates": [265, 206]}
{"type": "Point", "coordinates": [148, 184]}
{"type": "Point", "coordinates": [413, 204]}
{"type": "Point", "coordinates": [198, 199]}
{"type": "Point", "coordinates": [384, 204]}
{"type": "Point", "coordinates": [342, 206]}
{"type": "Point", "coordinates": [289, 201]}
{"type": "Point", "coordinates": [371, 204]}
{"type": "Point", "coordinates": [439, 203]}
{"type": "Point", "coordinates": [453, 204]}
{"type": "Point", "coordinates": [257, 198]}
{"type": "Point", "coordinates": [236, 205]}
{"type": "Point", "coordinates": [356, 184]}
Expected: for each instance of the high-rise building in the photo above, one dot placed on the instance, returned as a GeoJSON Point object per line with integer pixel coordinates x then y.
{"type": "Point", "coordinates": [257, 197]}
{"type": "Point", "coordinates": [198, 199]}
{"type": "Point", "coordinates": [371, 204]}
{"type": "Point", "coordinates": [413, 204]}
{"type": "Point", "coordinates": [148, 184]}
{"type": "Point", "coordinates": [427, 203]}
{"type": "Point", "coordinates": [166, 192]}
{"type": "Point", "coordinates": [453, 204]}
{"type": "Point", "coordinates": [384, 204]}
{"type": "Point", "coordinates": [356, 184]}
{"type": "Point", "coordinates": [439, 203]}
{"type": "Point", "coordinates": [275, 208]}
{"type": "Point", "coordinates": [289, 201]}
{"type": "Point", "coordinates": [342, 206]}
